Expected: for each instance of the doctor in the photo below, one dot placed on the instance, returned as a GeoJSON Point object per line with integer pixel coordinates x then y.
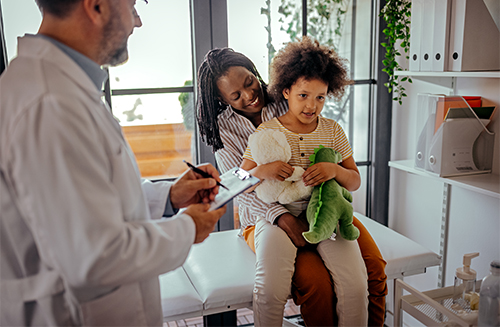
{"type": "Point", "coordinates": [82, 242]}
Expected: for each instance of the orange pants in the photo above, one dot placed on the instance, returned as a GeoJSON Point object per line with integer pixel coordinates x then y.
{"type": "Point", "coordinates": [312, 286]}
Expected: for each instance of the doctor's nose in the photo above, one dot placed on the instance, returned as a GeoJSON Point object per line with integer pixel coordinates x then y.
{"type": "Point", "coordinates": [137, 19]}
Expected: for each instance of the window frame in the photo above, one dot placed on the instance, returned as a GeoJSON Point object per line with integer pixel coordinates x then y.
{"type": "Point", "coordinates": [3, 48]}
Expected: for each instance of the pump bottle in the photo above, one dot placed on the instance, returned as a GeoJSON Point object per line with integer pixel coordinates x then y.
{"type": "Point", "coordinates": [465, 282]}
{"type": "Point", "coordinates": [489, 299]}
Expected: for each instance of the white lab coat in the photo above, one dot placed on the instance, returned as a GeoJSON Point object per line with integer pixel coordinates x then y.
{"type": "Point", "coordinates": [78, 246]}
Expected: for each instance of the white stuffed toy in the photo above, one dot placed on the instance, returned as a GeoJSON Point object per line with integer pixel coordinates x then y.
{"type": "Point", "coordinates": [269, 146]}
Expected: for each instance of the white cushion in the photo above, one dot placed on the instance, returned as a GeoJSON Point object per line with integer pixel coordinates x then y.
{"type": "Point", "coordinates": [404, 257]}
{"type": "Point", "coordinates": [222, 269]}
{"type": "Point", "coordinates": [178, 296]}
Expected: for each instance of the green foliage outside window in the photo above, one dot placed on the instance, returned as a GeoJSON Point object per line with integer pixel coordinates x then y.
{"type": "Point", "coordinates": [187, 107]}
{"type": "Point", "coordinates": [325, 20]}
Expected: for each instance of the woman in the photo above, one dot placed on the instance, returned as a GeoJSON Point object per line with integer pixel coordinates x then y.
{"type": "Point", "coordinates": [232, 102]}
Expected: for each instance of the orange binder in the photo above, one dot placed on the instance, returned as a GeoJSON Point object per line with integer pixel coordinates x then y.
{"type": "Point", "coordinates": [447, 102]}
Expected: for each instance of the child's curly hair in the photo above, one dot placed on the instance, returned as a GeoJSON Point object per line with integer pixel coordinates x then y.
{"type": "Point", "coordinates": [311, 60]}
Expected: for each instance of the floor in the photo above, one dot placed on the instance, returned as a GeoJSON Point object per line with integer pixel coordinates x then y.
{"type": "Point", "coordinates": [245, 317]}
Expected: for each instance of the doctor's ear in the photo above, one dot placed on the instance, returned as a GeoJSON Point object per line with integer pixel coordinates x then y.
{"type": "Point", "coordinates": [95, 9]}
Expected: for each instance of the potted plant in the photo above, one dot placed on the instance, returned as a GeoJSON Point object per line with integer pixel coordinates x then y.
{"type": "Point", "coordinates": [397, 14]}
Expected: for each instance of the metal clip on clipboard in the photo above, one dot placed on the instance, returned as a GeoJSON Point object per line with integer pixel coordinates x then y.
{"type": "Point", "coordinates": [241, 174]}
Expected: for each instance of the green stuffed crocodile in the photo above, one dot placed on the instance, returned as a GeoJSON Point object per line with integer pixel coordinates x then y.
{"type": "Point", "coordinates": [330, 204]}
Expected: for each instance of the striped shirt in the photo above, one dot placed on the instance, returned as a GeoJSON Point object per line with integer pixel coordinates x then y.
{"type": "Point", "coordinates": [328, 133]}
{"type": "Point", "coordinates": [234, 132]}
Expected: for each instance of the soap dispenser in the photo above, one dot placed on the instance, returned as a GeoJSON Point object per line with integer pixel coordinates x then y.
{"type": "Point", "coordinates": [465, 282]}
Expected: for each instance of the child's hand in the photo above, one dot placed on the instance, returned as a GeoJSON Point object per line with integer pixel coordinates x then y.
{"type": "Point", "coordinates": [319, 173]}
{"type": "Point", "coordinates": [277, 170]}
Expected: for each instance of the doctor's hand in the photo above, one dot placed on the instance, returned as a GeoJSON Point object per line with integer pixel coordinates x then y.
{"type": "Point", "coordinates": [191, 188]}
{"type": "Point", "coordinates": [203, 219]}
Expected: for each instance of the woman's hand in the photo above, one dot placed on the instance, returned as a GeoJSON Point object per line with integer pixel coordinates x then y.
{"type": "Point", "coordinates": [319, 173]}
{"type": "Point", "coordinates": [294, 227]}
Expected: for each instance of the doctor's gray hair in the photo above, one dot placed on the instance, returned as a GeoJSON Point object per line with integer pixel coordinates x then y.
{"type": "Point", "coordinates": [58, 8]}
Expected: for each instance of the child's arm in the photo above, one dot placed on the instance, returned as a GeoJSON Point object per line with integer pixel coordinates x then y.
{"type": "Point", "coordinates": [346, 174]}
{"type": "Point", "coordinates": [277, 170]}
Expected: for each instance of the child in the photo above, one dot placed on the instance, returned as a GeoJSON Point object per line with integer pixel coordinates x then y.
{"type": "Point", "coordinates": [305, 73]}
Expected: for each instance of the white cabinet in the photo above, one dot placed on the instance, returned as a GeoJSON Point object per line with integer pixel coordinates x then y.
{"type": "Point", "coordinates": [450, 216]}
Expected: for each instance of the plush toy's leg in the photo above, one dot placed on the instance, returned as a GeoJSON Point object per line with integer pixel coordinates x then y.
{"type": "Point", "coordinates": [275, 259]}
{"type": "Point", "coordinates": [347, 195]}
{"type": "Point", "coordinates": [345, 263]}
{"type": "Point", "coordinates": [346, 228]}
{"type": "Point", "coordinates": [319, 229]}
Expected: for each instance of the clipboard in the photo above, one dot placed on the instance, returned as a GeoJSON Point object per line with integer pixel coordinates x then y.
{"type": "Point", "coordinates": [237, 181]}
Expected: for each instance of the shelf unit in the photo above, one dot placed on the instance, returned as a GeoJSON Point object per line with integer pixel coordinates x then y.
{"type": "Point", "coordinates": [485, 74]}
{"type": "Point", "coordinates": [454, 222]}
{"type": "Point", "coordinates": [487, 184]}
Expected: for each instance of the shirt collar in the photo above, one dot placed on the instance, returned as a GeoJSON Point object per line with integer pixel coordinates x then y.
{"type": "Point", "coordinates": [96, 74]}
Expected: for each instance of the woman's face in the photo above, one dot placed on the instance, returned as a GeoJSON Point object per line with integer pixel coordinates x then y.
{"type": "Point", "coordinates": [241, 89]}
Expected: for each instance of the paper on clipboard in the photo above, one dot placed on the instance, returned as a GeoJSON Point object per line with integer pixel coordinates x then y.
{"type": "Point", "coordinates": [237, 181]}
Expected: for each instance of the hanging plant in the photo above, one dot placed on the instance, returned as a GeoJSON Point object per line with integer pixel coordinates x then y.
{"type": "Point", "coordinates": [397, 14]}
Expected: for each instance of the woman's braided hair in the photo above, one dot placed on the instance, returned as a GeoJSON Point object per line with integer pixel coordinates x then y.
{"type": "Point", "coordinates": [209, 104]}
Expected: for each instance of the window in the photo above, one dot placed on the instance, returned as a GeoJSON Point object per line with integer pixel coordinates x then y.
{"type": "Point", "coordinates": [19, 17]}
{"type": "Point", "coordinates": [153, 94]}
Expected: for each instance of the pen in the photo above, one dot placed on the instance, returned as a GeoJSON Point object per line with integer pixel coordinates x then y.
{"type": "Point", "coordinates": [202, 173]}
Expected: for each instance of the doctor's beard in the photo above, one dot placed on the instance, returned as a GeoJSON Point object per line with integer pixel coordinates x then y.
{"type": "Point", "coordinates": [114, 42]}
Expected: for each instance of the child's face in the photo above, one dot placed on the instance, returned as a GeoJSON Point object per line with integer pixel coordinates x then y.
{"type": "Point", "coordinates": [241, 89]}
{"type": "Point", "coordinates": [306, 99]}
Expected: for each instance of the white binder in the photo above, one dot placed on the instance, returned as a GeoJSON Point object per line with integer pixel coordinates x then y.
{"type": "Point", "coordinates": [474, 37]}
{"type": "Point", "coordinates": [427, 36]}
{"type": "Point", "coordinates": [440, 42]}
{"type": "Point", "coordinates": [417, 7]}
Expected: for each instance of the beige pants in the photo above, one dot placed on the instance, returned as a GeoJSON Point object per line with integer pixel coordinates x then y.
{"type": "Point", "coordinates": [276, 254]}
